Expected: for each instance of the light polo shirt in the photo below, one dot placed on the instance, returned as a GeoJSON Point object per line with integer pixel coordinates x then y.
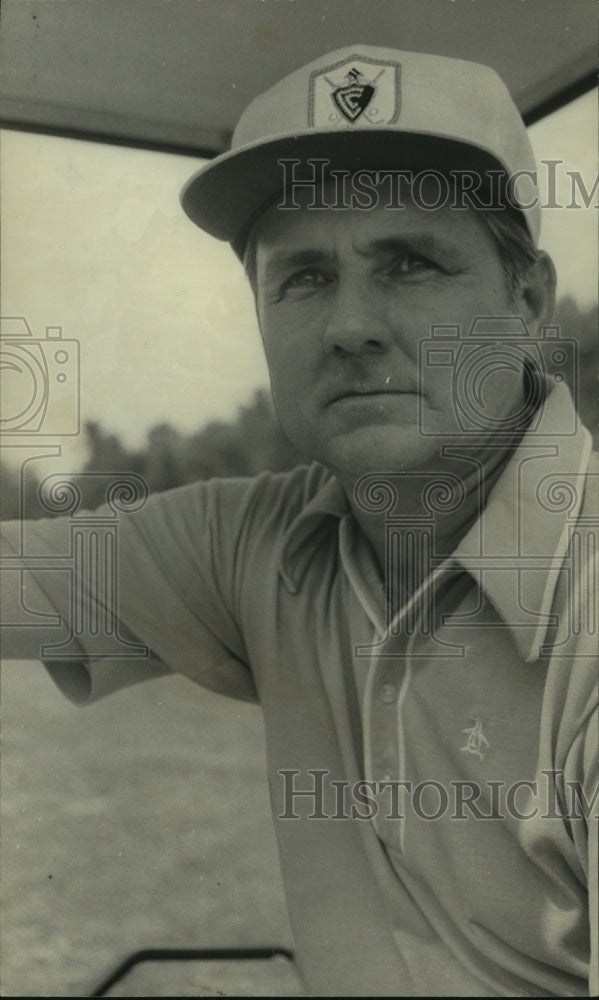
{"type": "Point", "coordinates": [433, 772]}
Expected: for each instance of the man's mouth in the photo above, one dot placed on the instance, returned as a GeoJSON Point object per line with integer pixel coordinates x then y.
{"type": "Point", "coordinates": [370, 392]}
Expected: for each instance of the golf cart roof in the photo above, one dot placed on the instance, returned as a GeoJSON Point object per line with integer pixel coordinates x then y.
{"type": "Point", "coordinates": [176, 75]}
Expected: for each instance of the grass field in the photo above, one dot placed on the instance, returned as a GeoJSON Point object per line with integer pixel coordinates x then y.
{"type": "Point", "coordinates": [140, 822]}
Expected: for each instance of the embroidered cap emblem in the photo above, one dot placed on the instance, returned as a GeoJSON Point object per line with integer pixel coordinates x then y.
{"type": "Point", "coordinates": [355, 96]}
{"type": "Point", "coordinates": [358, 90]}
{"type": "Point", "coordinates": [476, 743]}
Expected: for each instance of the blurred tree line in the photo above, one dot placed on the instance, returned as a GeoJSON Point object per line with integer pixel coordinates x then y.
{"type": "Point", "coordinates": [245, 446]}
{"type": "Point", "coordinates": [253, 441]}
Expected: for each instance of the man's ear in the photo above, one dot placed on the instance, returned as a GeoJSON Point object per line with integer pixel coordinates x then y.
{"type": "Point", "coordinates": [536, 296]}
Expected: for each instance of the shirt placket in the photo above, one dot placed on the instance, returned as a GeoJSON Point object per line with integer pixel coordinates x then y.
{"type": "Point", "coordinates": [388, 675]}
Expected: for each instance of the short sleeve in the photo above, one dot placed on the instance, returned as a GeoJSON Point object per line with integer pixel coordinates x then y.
{"type": "Point", "coordinates": [107, 608]}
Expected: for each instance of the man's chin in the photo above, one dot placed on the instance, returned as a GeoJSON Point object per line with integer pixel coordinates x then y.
{"type": "Point", "coordinates": [378, 448]}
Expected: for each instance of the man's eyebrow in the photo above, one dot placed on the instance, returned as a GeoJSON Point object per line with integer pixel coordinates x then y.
{"type": "Point", "coordinates": [416, 242]}
{"type": "Point", "coordinates": [425, 243]}
{"type": "Point", "coordinates": [277, 262]}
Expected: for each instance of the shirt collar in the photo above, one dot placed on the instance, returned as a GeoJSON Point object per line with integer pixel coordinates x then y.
{"type": "Point", "coordinates": [305, 534]}
{"type": "Point", "coordinates": [514, 552]}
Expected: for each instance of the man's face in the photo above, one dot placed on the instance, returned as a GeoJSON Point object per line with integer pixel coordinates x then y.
{"type": "Point", "coordinates": [344, 299]}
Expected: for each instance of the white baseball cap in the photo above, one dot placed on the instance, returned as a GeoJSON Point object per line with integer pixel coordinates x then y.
{"type": "Point", "coordinates": [359, 107]}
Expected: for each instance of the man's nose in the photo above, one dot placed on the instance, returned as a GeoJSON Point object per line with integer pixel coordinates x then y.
{"type": "Point", "coordinates": [356, 323]}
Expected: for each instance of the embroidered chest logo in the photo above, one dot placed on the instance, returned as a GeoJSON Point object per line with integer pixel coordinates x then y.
{"type": "Point", "coordinates": [476, 742]}
{"type": "Point", "coordinates": [356, 91]}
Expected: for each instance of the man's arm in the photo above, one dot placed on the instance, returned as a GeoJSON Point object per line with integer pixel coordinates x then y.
{"type": "Point", "coordinates": [60, 605]}
{"type": "Point", "coordinates": [105, 609]}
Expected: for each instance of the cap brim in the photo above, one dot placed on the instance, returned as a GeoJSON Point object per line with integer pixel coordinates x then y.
{"type": "Point", "coordinates": [226, 196]}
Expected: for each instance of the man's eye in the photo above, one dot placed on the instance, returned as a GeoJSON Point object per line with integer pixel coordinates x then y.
{"type": "Point", "coordinates": [409, 264]}
{"type": "Point", "coordinates": [306, 280]}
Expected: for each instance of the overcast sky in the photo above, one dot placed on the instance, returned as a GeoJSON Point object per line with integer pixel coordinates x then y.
{"type": "Point", "coordinates": [94, 240]}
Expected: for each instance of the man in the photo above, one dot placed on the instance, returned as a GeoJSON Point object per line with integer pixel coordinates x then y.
{"type": "Point", "coordinates": [413, 608]}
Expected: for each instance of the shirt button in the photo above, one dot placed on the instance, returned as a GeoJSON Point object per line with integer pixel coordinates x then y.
{"type": "Point", "coordinates": [388, 693]}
